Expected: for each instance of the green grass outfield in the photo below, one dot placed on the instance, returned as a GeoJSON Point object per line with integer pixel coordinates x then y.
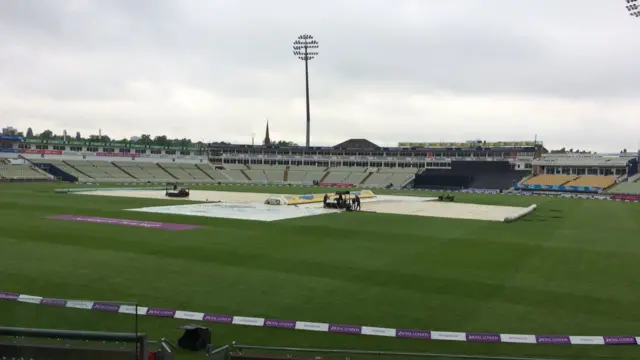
{"type": "Point", "coordinates": [571, 268]}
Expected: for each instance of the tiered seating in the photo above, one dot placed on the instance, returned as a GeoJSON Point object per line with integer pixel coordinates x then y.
{"type": "Point", "coordinates": [111, 170]}
{"type": "Point", "coordinates": [336, 177]}
{"type": "Point", "coordinates": [235, 167]}
{"type": "Point", "coordinates": [306, 173]}
{"type": "Point", "coordinates": [595, 181]}
{"type": "Point", "coordinates": [399, 176]}
{"type": "Point", "coordinates": [211, 172]}
{"type": "Point", "coordinates": [550, 179]}
{"type": "Point", "coordinates": [234, 174]}
{"type": "Point", "coordinates": [86, 167]}
{"type": "Point", "coordinates": [296, 176]}
{"type": "Point", "coordinates": [195, 172]}
{"type": "Point", "coordinates": [64, 167]}
{"type": "Point", "coordinates": [356, 178]}
{"type": "Point", "coordinates": [313, 175]}
{"type": "Point", "coordinates": [20, 172]}
{"type": "Point", "coordinates": [269, 172]}
{"type": "Point", "coordinates": [257, 175]}
{"type": "Point", "coordinates": [268, 167]}
{"type": "Point", "coordinates": [379, 179]}
{"type": "Point", "coordinates": [626, 188]}
{"type": "Point", "coordinates": [274, 175]}
{"type": "Point", "coordinates": [177, 171]}
{"type": "Point", "coordinates": [347, 169]}
{"type": "Point", "coordinates": [343, 174]}
{"type": "Point", "coordinates": [145, 171]}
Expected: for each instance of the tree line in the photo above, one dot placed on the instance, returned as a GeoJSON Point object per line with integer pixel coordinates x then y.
{"type": "Point", "coordinates": [144, 139]}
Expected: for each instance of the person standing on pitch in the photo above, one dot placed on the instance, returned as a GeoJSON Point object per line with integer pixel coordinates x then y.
{"type": "Point", "coordinates": [357, 202]}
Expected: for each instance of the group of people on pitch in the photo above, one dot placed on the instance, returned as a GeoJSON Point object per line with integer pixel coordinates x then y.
{"type": "Point", "coordinates": [342, 203]}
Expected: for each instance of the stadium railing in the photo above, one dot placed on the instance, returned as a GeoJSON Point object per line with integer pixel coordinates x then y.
{"type": "Point", "coordinates": [45, 344]}
{"type": "Point", "coordinates": [249, 352]}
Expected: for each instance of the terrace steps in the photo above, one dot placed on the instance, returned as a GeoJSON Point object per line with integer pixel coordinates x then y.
{"type": "Point", "coordinates": [325, 176]}
{"type": "Point", "coordinates": [206, 173]}
{"type": "Point", "coordinates": [365, 178]}
{"type": "Point", "coordinates": [76, 169]}
{"type": "Point", "coordinates": [35, 168]}
{"type": "Point", "coordinates": [245, 174]}
{"type": "Point", "coordinates": [166, 171]}
{"type": "Point", "coordinates": [123, 170]}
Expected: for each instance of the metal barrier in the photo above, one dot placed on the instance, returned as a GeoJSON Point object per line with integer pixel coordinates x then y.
{"type": "Point", "coordinates": [249, 352]}
{"type": "Point", "coordinates": [20, 343]}
{"type": "Point", "coordinates": [221, 353]}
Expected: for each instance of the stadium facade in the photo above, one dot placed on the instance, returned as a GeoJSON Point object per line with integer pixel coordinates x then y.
{"type": "Point", "coordinates": [504, 165]}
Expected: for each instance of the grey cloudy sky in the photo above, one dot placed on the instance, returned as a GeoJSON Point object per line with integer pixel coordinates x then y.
{"type": "Point", "coordinates": [389, 71]}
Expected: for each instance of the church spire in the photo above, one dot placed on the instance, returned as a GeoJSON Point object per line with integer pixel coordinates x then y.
{"type": "Point", "coordinates": [267, 140]}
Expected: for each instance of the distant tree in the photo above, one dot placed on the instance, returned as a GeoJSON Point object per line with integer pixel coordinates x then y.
{"type": "Point", "coordinates": [184, 142]}
{"type": "Point", "coordinates": [145, 139]}
{"type": "Point", "coordinates": [29, 133]}
{"type": "Point", "coordinates": [46, 135]}
{"type": "Point", "coordinates": [284, 143]}
{"type": "Point", "coordinates": [10, 131]}
{"type": "Point", "coordinates": [161, 140]}
{"type": "Point", "coordinates": [559, 151]}
{"type": "Point", "coordinates": [78, 136]}
{"type": "Point", "coordinates": [99, 139]}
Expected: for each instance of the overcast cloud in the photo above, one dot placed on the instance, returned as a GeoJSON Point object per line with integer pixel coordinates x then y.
{"type": "Point", "coordinates": [389, 71]}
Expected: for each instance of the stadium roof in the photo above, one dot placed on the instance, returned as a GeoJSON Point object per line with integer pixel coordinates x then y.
{"type": "Point", "coordinates": [357, 144]}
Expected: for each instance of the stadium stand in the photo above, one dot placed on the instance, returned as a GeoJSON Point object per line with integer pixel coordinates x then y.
{"type": "Point", "coordinates": [256, 175]}
{"type": "Point", "coordinates": [631, 188]}
{"type": "Point", "coordinates": [546, 179]}
{"type": "Point", "coordinates": [10, 171]}
{"type": "Point", "coordinates": [102, 171]}
{"type": "Point", "coordinates": [399, 176]}
{"type": "Point", "coordinates": [64, 167]}
{"type": "Point", "coordinates": [145, 171]}
{"type": "Point", "coordinates": [593, 180]}
{"type": "Point", "coordinates": [377, 179]}
{"type": "Point", "coordinates": [211, 172]}
{"type": "Point", "coordinates": [309, 174]}
{"type": "Point", "coordinates": [185, 172]}
{"type": "Point", "coordinates": [234, 174]}
{"type": "Point", "coordinates": [235, 166]}
{"type": "Point", "coordinates": [498, 175]}
{"type": "Point", "coordinates": [345, 174]}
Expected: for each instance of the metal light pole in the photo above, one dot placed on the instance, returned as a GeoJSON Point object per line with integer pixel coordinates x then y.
{"type": "Point", "coordinates": [633, 7]}
{"type": "Point", "coordinates": [305, 48]}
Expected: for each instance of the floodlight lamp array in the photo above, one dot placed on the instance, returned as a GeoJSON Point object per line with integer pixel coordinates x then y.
{"type": "Point", "coordinates": [305, 47]}
{"type": "Point", "coordinates": [633, 6]}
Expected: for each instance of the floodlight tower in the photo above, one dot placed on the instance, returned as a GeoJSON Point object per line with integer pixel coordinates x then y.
{"type": "Point", "coordinates": [633, 6]}
{"type": "Point", "coordinates": [305, 48]}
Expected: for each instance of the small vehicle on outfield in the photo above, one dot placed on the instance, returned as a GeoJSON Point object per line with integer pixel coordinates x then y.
{"type": "Point", "coordinates": [447, 197]}
{"type": "Point", "coordinates": [172, 190]}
